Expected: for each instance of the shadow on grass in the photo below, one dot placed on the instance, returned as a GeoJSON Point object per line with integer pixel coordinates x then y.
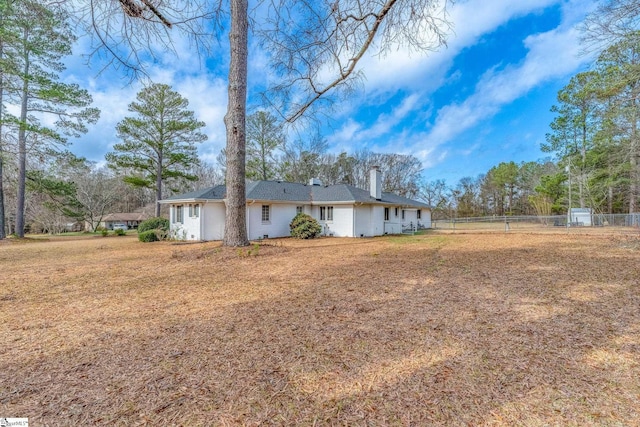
{"type": "Point", "coordinates": [545, 332]}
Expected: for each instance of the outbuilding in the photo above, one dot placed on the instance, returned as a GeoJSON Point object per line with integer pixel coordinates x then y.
{"type": "Point", "coordinates": [580, 216]}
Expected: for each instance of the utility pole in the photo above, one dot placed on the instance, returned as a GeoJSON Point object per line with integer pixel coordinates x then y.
{"type": "Point", "coordinates": [568, 169]}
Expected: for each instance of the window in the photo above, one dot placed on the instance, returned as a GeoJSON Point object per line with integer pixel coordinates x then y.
{"type": "Point", "coordinates": [265, 213]}
{"type": "Point", "coordinates": [419, 214]}
{"type": "Point", "coordinates": [386, 214]}
{"type": "Point", "coordinates": [194, 211]}
{"type": "Point", "coordinates": [396, 212]}
{"type": "Point", "coordinates": [298, 210]}
{"type": "Point", "coordinates": [402, 213]}
{"type": "Point", "coordinates": [326, 213]}
{"type": "Point", "coordinates": [179, 216]}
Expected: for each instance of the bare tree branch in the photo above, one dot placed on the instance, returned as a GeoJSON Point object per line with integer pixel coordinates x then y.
{"type": "Point", "coordinates": [316, 47]}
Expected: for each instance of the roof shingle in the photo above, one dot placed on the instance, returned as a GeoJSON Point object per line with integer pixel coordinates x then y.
{"type": "Point", "coordinates": [281, 191]}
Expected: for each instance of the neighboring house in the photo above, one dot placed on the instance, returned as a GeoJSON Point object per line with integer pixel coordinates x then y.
{"type": "Point", "coordinates": [131, 219]}
{"type": "Point", "coordinates": [342, 210]}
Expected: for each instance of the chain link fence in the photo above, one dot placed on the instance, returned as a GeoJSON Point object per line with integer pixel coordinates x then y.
{"type": "Point", "coordinates": [533, 222]}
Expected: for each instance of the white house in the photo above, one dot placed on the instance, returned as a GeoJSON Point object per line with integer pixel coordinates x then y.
{"type": "Point", "coordinates": [342, 210]}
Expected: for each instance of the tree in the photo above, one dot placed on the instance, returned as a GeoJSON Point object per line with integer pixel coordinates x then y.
{"type": "Point", "coordinates": [435, 194]}
{"type": "Point", "coordinates": [574, 128]}
{"type": "Point", "coordinates": [208, 176]}
{"type": "Point", "coordinates": [610, 23]}
{"type": "Point", "coordinates": [466, 196]}
{"type": "Point", "coordinates": [504, 177]}
{"type": "Point", "coordinates": [43, 38]}
{"type": "Point", "coordinates": [7, 33]}
{"type": "Point", "coordinates": [96, 192]}
{"type": "Point", "coordinates": [302, 159]}
{"type": "Point", "coordinates": [549, 194]}
{"type": "Point", "coordinates": [315, 49]}
{"type": "Point", "coordinates": [400, 172]}
{"type": "Point", "coordinates": [264, 136]}
{"type": "Point", "coordinates": [619, 66]}
{"type": "Point", "coordinates": [158, 142]}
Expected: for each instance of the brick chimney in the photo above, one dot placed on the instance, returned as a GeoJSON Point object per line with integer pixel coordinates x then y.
{"type": "Point", "coordinates": [375, 183]}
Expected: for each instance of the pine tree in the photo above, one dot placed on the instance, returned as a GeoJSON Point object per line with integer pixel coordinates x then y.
{"type": "Point", "coordinates": [42, 38]}
{"type": "Point", "coordinates": [264, 136]}
{"type": "Point", "coordinates": [159, 141]}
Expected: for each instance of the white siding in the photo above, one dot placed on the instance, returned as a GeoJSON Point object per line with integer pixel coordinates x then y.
{"type": "Point", "coordinates": [394, 224]}
{"type": "Point", "coordinates": [190, 225]}
{"type": "Point", "coordinates": [363, 221]}
{"type": "Point", "coordinates": [280, 216]}
{"type": "Point", "coordinates": [348, 220]}
{"type": "Point", "coordinates": [377, 220]}
{"type": "Point", "coordinates": [213, 221]}
{"type": "Point", "coordinates": [342, 224]}
{"type": "Point", "coordinates": [425, 219]}
{"type": "Point", "coordinates": [179, 230]}
{"type": "Point", "coordinates": [410, 218]}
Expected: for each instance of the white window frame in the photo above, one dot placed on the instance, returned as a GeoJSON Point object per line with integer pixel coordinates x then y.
{"type": "Point", "coordinates": [326, 213]}
{"type": "Point", "coordinates": [402, 213]}
{"type": "Point", "coordinates": [178, 216]}
{"type": "Point", "coordinates": [299, 209]}
{"type": "Point", "coordinates": [266, 214]}
{"type": "Point", "coordinates": [386, 214]}
{"type": "Point", "coordinates": [396, 212]}
{"type": "Point", "coordinates": [419, 213]}
{"type": "Point", "coordinates": [194, 210]}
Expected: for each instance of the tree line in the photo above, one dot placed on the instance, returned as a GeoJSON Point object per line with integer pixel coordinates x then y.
{"type": "Point", "coordinates": [594, 136]}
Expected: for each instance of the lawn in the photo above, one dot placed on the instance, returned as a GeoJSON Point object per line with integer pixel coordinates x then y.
{"type": "Point", "coordinates": [436, 329]}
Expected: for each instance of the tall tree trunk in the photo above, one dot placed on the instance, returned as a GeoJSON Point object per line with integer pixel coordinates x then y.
{"type": "Point", "coordinates": [2, 217]}
{"type": "Point", "coordinates": [633, 160]}
{"type": "Point", "coordinates": [158, 185]}
{"type": "Point", "coordinates": [22, 150]}
{"type": "Point", "coordinates": [235, 233]}
{"type": "Point", "coordinates": [610, 201]}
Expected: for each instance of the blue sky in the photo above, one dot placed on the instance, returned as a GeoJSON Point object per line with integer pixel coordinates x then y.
{"type": "Point", "coordinates": [482, 100]}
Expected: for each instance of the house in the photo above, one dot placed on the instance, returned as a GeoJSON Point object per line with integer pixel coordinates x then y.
{"type": "Point", "coordinates": [342, 210]}
{"type": "Point", "coordinates": [131, 219]}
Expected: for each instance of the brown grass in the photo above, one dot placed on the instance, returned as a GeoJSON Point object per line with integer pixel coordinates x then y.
{"type": "Point", "coordinates": [440, 329]}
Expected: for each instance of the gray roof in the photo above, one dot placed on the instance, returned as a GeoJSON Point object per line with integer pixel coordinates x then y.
{"type": "Point", "coordinates": [281, 191]}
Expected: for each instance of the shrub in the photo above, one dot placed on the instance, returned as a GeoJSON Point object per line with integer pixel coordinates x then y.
{"type": "Point", "coordinates": [304, 226]}
{"type": "Point", "coordinates": [154, 224]}
{"type": "Point", "coordinates": [104, 232]}
{"type": "Point", "coordinates": [119, 232]}
{"type": "Point", "coordinates": [148, 236]}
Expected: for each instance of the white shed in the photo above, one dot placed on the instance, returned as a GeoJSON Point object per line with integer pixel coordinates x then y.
{"type": "Point", "coordinates": [580, 216]}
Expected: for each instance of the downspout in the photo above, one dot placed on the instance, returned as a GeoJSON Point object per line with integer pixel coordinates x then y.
{"type": "Point", "coordinates": [355, 205]}
{"type": "Point", "coordinates": [201, 213]}
{"type": "Point", "coordinates": [353, 222]}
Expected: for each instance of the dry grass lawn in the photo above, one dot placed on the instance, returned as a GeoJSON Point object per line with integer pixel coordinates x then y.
{"type": "Point", "coordinates": [439, 329]}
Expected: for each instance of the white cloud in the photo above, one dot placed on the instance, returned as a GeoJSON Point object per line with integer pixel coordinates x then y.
{"type": "Point", "coordinates": [400, 128]}
{"type": "Point", "coordinates": [551, 55]}
{"type": "Point", "coordinates": [471, 19]}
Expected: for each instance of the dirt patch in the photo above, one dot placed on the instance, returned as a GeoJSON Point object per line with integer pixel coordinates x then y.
{"type": "Point", "coordinates": [440, 329]}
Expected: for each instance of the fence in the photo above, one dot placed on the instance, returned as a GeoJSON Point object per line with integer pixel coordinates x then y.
{"type": "Point", "coordinates": [511, 223]}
